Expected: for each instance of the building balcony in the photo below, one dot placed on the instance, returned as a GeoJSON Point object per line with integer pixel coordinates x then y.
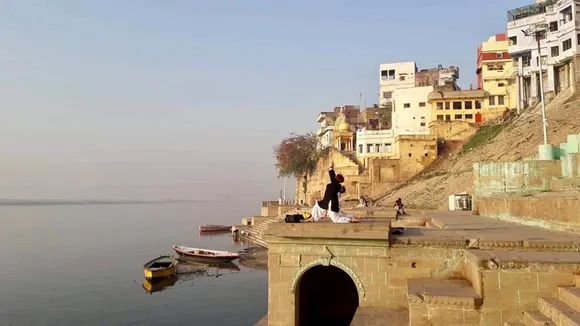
{"type": "Point", "coordinates": [529, 11]}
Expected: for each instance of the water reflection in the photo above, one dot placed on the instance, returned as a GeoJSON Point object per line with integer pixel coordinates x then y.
{"type": "Point", "coordinates": [188, 270]}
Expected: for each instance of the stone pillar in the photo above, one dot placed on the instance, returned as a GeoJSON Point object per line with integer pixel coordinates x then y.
{"type": "Point", "coordinates": [534, 87]}
{"type": "Point", "coordinates": [519, 91]}
{"type": "Point", "coordinates": [572, 71]}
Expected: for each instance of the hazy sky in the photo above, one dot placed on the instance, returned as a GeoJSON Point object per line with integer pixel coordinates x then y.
{"type": "Point", "coordinates": [185, 99]}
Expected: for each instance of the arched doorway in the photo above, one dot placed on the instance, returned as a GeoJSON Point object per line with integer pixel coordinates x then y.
{"type": "Point", "coordinates": [325, 295]}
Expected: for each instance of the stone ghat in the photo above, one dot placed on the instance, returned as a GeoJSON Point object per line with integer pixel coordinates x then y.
{"type": "Point", "coordinates": [447, 268]}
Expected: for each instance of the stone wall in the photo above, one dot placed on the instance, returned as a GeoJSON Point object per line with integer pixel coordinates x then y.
{"type": "Point", "coordinates": [514, 177]}
{"type": "Point", "coordinates": [453, 130]}
{"type": "Point", "coordinates": [554, 213]}
{"type": "Point", "coordinates": [379, 273]}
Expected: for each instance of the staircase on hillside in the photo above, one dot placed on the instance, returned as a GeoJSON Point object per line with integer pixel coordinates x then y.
{"type": "Point", "coordinates": [260, 225]}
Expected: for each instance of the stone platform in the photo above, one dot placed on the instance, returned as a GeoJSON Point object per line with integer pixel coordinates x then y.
{"type": "Point", "coordinates": [447, 268]}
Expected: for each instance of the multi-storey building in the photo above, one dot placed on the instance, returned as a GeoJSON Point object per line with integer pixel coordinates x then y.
{"type": "Point", "coordinates": [394, 76]}
{"type": "Point", "coordinates": [327, 120]}
{"type": "Point", "coordinates": [411, 111]}
{"type": "Point", "coordinates": [495, 74]}
{"type": "Point", "coordinates": [557, 22]}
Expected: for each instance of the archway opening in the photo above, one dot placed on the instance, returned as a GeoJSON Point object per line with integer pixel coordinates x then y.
{"type": "Point", "coordinates": [325, 295]}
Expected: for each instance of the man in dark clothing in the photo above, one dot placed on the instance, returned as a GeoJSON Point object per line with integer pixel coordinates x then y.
{"type": "Point", "coordinates": [330, 198]}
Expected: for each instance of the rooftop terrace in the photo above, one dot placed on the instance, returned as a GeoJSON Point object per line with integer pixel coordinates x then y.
{"type": "Point", "coordinates": [529, 10]}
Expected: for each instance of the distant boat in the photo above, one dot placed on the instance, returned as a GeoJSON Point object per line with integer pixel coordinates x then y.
{"type": "Point", "coordinates": [205, 254]}
{"type": "Point", "coordinates": [160, 267]}
{"type": "Point", "coordinates": [215, 228]}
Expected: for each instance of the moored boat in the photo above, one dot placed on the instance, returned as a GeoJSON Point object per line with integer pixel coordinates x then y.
{"type": "Point", "coordinates": [160, 267]}
{"type": "Point", "coordinates": [205, 254]}
{"type": "Point", "coordinates": [215, 228]}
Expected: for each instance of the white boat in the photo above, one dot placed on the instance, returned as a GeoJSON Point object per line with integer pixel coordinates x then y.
{"type": "Point", "coordinates": [205, 254]}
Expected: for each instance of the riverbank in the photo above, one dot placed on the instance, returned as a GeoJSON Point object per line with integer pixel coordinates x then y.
{"type": "Point", "coordinates": [256, 258]}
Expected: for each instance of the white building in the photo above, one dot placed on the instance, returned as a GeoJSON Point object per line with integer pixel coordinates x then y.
{"type": "Point", "coordinates": [326, 131]}
{"type": "Point", "coordinates": [394, 76]}
{"type": "Point", "coordinates": [558, 46]}
{"type": "Point", "coordinates": [411, 111]}
{"type": "Point", "coordinates": [375, 144]}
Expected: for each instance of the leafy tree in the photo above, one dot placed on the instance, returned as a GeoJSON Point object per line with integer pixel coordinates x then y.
{"type": "Point", "coordinates": [296, 156]}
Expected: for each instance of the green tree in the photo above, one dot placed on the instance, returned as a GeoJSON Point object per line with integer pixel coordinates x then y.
{"type": "Point", "coordinates": [296, 156]}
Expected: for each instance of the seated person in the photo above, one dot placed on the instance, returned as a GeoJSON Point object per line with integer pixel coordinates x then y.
{"type": "Point", "coordinates": [399, 206]}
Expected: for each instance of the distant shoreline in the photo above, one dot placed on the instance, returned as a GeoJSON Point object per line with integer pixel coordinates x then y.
{"type": "Point", "coordinates": [37, 202]}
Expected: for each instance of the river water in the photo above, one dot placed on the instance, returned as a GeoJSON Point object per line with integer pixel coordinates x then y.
{"type": "Point", "coordinates": [82, 265]}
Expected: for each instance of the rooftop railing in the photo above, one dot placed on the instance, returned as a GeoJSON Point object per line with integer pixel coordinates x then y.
{"type": "Point", "coordinates": [529, 10]}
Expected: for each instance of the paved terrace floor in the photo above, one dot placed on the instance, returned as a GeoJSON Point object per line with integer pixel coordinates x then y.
{"type": "Point", "coordinates": [458, 228]}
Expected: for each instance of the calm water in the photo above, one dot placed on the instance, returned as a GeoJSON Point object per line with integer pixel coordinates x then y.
{"type": "Point", "coordinates": [82, 265]}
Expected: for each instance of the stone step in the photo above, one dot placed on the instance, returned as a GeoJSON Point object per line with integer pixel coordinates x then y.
{"type": "Point", "coordinates": [514, 324]}
{"type": "Point", "coordinates": [536, 318]}
{"type": "Point", "coordinates": [559, 312]}
{"type": "Point", "coordinates": [443, 292]}
{"type": "Point", "coordinates": [443, 302]}
{"type": "Point", "coordinates": [570, 296]}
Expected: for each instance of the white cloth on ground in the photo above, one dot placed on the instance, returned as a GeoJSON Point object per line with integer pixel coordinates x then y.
{"type": "Point", "coordinates": [339, 217]}
{"type": "Point", "coordinates": [317, 212]}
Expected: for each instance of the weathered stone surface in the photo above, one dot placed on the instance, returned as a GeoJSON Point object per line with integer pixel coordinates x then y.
{"type": "Point", "coordinates": [536, 318]}
{"type": "Point", "coordinates": [380, 317]}
{"type": "Point", "coordinates": [448, 293]}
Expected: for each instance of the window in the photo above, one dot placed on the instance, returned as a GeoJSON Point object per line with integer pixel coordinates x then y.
{"type": "Point", "coordinates": [369, 148]}
{"type": "Point", "coordinates": [406, 105]}
{"type": "Point", "coordinates": [426, 154]}
{"type": "Point", "coordinates": [567, 45]}
{"type": "Point", "coordinates": [477, 105]}
{"type": "Point", "coordinates": [458, 116]}
{"type": "Point", "coordinates": [439, 118]}
{"type": "Point", "coordinates": [409, 154]}
{"type": "Point", "coordinates": [514, 40]}
{"type": "Point", "coordinates": [387, 94]}
{"type": "Point", "coordinates": [384, 74]}
{"type": "Point", "coordinates": [495, 67]}
{"type": "Point", "coordinates": [468, 116]}
{"type": "Point", "coordinates": [553, 26]}
{"type": "Point", "coordinates": [421, 104]}
{"type": "Point", "coordinates": [500, 99]}
{"type": "Point", "coordinates": [500, 85]}
{"type": "Point", "coordinates": [492, 100]}
{"type": "Point", "coordinates": [457, 105]}
{"type": "Point", "coordinates": [526, 59]}
{"type": "Point", "coordinates": [388, 147]}
{"type": "Point", "coordinates": [402, 78]}
{"type": "Point", "coordinates": [499, 55]}
{"type": "Point", "coordinates": [388, 74]}
{"type": "Point", "coordinates": [360, 148]}
{"type": "Point", "coordinates": [422, 124]}
{"type": "Point", "coordinates": [439, 105]}
{"type": "Point", "coordinates": [447, 117]}
{"type": "Point", "coordinates": [468, 105]}
{"type": "Point", "coordinates": [578, 38]}
{"type": "Point", "coordinates": [555, 51]}
{"type": "Point", "coordinates": [378, 148]}
{"type": "Point", "coordinates": [447, 105]}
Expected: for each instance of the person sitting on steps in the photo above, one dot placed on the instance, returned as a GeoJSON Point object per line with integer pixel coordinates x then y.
{"type": "Point", "coordinates": [399, 207]}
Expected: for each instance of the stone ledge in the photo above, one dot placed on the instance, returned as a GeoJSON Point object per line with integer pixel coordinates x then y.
{"type": "Point", "coordinates": [529, 260]}
{"type": "Point", "coordinates": [367, 230]}
{"type": "Point", "coordinates": [380, 317]}
{"type": "Point", "coordinates": [456, 293]}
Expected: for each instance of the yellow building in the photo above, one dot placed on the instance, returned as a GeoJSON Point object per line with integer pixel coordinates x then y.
{"type": "Point", "coordinates": [495, 74]}
{"type": "Point", "coordinates": [466, 106]}
{"type": "Point", "coordinates": [343, 134]}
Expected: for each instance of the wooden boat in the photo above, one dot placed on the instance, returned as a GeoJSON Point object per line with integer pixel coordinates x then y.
{"type": "Point", "coordinates": [215, 228]}
{"type": "Point", "coordinates": [160, 267]}
{"type": "Point", "coordinates": [205, 254]}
